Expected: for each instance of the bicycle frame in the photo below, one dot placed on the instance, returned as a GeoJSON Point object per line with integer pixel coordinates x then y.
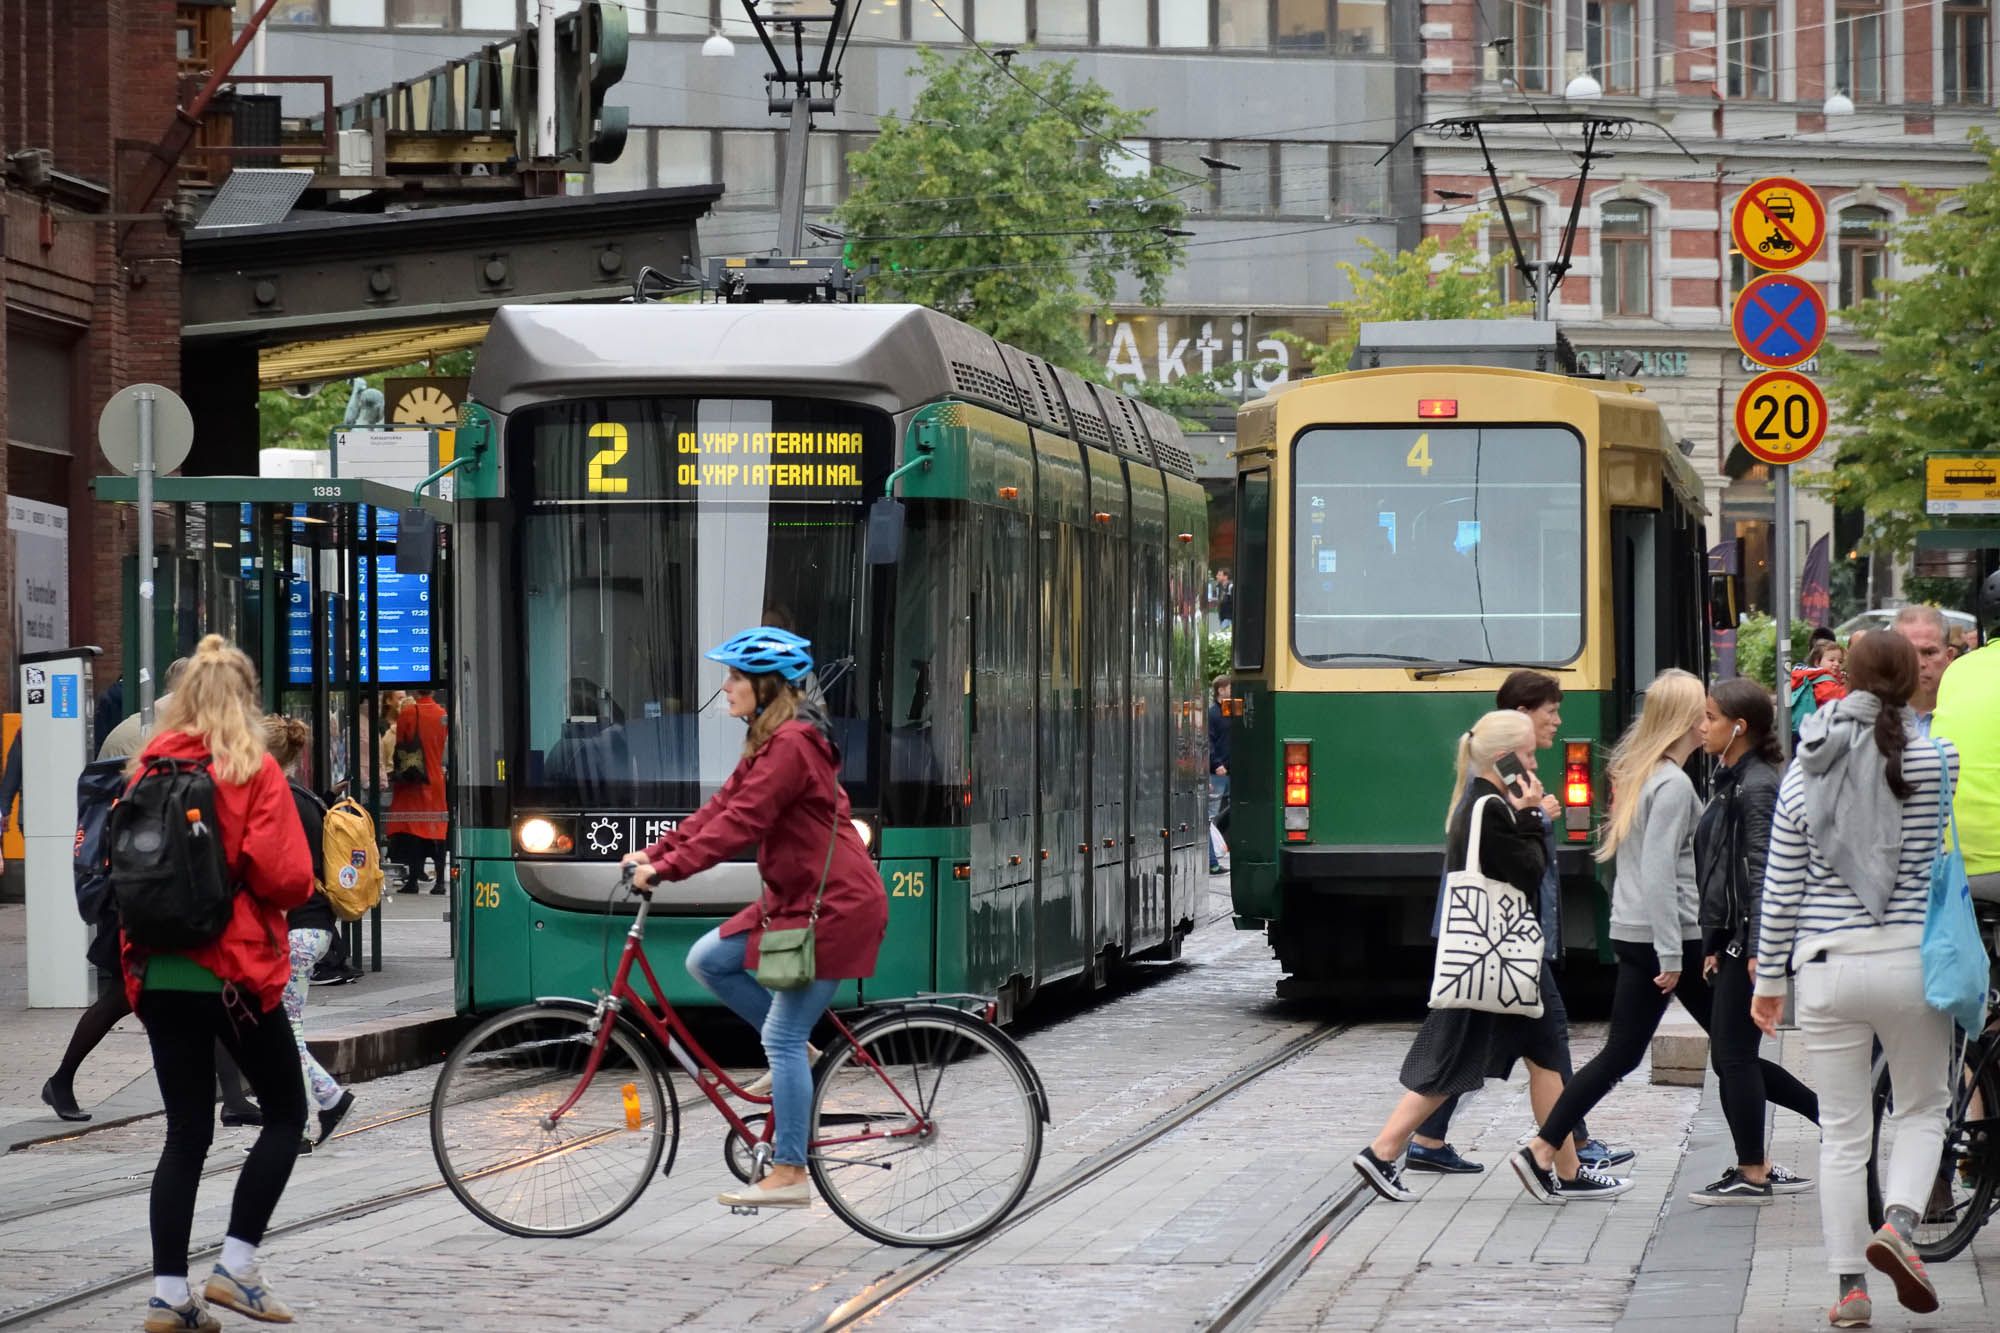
{"type": "Point", "coordinates": [671, 1033]}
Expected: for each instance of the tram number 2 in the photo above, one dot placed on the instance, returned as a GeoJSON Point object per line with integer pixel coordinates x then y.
{"type": "Point", "coordinates": [598, 480]}
{"type": "Point", "coordinates": [485, 895]}
{"type": "Point", "coordinates": [1797, 417]}
{"type": "Point", "coordinates": [906, 884]}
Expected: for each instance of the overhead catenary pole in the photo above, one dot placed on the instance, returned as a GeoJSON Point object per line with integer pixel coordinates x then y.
{"type": "Point", "coordinates": [144, 473]}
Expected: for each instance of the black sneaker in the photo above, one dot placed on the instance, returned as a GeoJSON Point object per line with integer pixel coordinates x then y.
{"type": "Point", "coordinates": [1383, 1177]}
{"type": "Point", "coordinates": [1443, 1160]}
{"type": "Point", "coordinates": [1789, 1182]}
{"type": "Point", "coordinates": [1594, 1185]}
{"type": "Point", "coordinates": [330, 1118]}
{"type": "Point", "coordinates": [1733, 1188]}
{"type": "Point", "coordinates": [1537, 1180]}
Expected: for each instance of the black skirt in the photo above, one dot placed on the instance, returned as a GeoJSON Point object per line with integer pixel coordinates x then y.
{"type": "Point", "coordinates": [1456, 1050]}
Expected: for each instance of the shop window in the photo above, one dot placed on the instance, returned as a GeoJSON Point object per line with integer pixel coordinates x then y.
{"type": "Point", "coordinates": [1752, 54]}
{"type": "Point", "coordinates": [1611, 40]}
{"type": "Point", "coordinates": [1968, 32]}
{"type": "Point", "coordinates": [1857, 50]}
{"type": "Point", "coordinates": [1625, 240]}
{"type": "Point", "coordinates": [1864, 254]}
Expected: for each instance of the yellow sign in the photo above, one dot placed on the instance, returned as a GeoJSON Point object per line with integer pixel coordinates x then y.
{"type": "Point", "coordinates": [1962, 484]}
{"type": "Point", "coordinates": [1779, 223]}
{"type": "Point", "coordinates": [1781, 417]}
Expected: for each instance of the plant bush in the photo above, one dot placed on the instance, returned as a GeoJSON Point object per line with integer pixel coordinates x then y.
{"type": "Point", "coordinates": [1756, 642]}
{"type": "Point", "coordinates": [1214, 656]}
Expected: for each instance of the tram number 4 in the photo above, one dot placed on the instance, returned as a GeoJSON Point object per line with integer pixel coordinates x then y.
{"type": "Point", "coordinates": [1420, 454]}
{"type": "Point", "coordinates": [596, 481]}
{"type": "Point", "coordinates": [906, 884]}
{"type": "Point", "coordinates": [1797, 417]}
{"type": "Point", "coordinates": [485, 895]}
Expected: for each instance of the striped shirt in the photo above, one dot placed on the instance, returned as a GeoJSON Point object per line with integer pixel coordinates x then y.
{"type": "Point", "coordinates": [1805, 901]}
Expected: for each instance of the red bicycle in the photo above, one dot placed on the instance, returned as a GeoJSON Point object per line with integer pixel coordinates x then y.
{"type": "Point", "coordinates": [551, 1119]}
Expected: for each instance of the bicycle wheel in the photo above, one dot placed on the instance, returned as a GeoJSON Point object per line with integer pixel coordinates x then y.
{"type": "Point", "coordinates": [940, 1151]}
{"type": "Point", "coordinates": [1964, 1191]}
{"type": "Point", "coordinates": [505, 1161]}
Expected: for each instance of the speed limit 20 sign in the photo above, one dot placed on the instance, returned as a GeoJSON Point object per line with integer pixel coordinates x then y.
{"type": "Point", "coordinates": [1780, 417]}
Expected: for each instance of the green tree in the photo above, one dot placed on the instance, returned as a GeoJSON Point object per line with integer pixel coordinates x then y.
{"type": "Point", "coordinates": [1932, 381]}
{"type": "Point", "coordinates": [1440, 279]}
{"type": "Point", "coordinates": [1003, 199]}
{"type": "Point", "coordinates": [288, 422]}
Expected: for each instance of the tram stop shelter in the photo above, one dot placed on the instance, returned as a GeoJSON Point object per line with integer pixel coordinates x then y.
{"type": "Point", "coordinates": [262, 560]}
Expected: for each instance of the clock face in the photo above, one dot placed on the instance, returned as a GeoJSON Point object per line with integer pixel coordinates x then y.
{"type": "Point", "coordinates": [425, 405]}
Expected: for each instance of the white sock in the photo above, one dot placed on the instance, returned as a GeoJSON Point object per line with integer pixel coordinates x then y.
{"type": "Point", "coordinates": [238, 1256]}
{"type": "Point", "coordinates": [172, 1290]}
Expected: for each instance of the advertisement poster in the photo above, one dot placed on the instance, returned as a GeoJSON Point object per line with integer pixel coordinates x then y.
{"type": "Point", "coordinates": [39, 536]}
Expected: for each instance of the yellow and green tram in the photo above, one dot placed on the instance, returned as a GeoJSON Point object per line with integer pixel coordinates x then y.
{"type": "Point", "coordinates": [1406, 536]}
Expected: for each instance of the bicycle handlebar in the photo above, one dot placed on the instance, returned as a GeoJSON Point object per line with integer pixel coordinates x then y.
{"type": "Point", "coordinates": [627, 882]}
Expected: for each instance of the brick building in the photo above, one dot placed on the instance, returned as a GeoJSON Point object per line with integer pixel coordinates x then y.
{"type": "Point", "coordinates": [91, 304]}
{"type": "Point", "coordinates": [1746, 88]}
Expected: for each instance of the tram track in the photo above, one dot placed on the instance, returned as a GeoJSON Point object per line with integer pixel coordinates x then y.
{"type": "Point", "coordinates": [1270, 1279]}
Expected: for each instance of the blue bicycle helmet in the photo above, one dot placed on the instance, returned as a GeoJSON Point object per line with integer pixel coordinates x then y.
{"type": "Point", "coordinates": [756, 652]}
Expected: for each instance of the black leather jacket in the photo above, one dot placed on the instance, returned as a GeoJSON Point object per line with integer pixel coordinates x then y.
{"type": "Point", "coordinates": [1730, 847]}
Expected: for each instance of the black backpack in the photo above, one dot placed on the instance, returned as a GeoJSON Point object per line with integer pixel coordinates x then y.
{"type": "Point", "coordinates": [98, 789]}
{"type": "Point", "coordinates": [167, 869]}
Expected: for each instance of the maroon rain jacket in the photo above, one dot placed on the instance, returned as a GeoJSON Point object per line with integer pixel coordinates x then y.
{"type": "Point", "coordinates": [787, 799]}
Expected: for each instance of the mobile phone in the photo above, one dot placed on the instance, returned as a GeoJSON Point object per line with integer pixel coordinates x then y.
{"type": "Point", "coordinates": [1512, 772]}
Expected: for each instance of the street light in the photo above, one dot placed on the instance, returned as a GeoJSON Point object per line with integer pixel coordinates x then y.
{"type": "Point", "coordinates": [1839, 104]}
{"type": "Point", "coordinates": [806, 40]}
{"type": "Point", "coordinates": [718, 46]}
{"type": "Point", "coordinates": [1583, 88]}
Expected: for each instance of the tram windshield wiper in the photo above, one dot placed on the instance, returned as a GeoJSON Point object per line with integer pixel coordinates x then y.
{"type": "Point", "coordinates": [1436, 669]}
{"type": "Point", "coordinates": [1316, 658]}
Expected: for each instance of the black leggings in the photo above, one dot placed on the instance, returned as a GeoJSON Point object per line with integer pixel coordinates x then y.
{"type": "Point", "coordinates": [1636, 1008]}
{"type": "Point", "coordinates": [184, 1027]}
{"type": "Point", "coordinates": [1746, 1080]}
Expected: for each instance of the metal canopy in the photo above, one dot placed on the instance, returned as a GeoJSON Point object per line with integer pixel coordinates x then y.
{"type": "Point", "coordinates": [272, 490]}
{"type": "Point", "coordinates": [342, 271]}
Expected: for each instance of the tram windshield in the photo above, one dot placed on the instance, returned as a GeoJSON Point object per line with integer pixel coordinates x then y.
{"type": "Point", "coordinates": [1460, 542]}
{"type": "Point", "coordinates": [651, 530]}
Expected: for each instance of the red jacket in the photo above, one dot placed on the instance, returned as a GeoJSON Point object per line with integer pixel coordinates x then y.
{"type": "Point", "coordinates": [268, 859]}
{"type": "Point", "coordinates": [420, 810]}
{"type": "Point", "coordinates": [787, 799]}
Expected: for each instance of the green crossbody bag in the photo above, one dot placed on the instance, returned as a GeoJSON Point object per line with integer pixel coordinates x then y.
{"type": "Point", "coordinates": [785, 958]}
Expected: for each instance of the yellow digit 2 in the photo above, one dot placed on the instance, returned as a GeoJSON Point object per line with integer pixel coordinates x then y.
{"type": "Point", "coordinates": [1420, 454]}
{"type": "Point", "coordinates": [598, 483]}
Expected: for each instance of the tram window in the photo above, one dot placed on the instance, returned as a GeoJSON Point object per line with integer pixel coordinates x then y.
{"type": "Point", "coordinates": [1438, 543]}
{"type": "Point", "coordinates": [1253, 569]}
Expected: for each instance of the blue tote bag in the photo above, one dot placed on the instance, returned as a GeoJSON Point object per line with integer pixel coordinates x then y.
{"type": "Point", "coordinates": [1955, 969]}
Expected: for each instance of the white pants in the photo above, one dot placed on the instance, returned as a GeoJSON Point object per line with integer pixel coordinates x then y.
{"type": "Point", "coordinates": [1846, 1003]}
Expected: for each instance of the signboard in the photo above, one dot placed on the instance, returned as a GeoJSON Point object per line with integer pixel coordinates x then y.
{"type": "Point", "coordinates": [1962, 484]}
{"type": "Point", "coordinates": [39, 535]}
{"type": "Point", "coordinates": [1779, 321]}
{"type": "Point", "coordinates": [1779, 223]}
{"type": "Point", "coordinates": [1781, 417]}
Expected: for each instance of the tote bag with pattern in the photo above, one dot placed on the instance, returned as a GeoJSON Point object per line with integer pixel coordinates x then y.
{"type": "Point", "coordinates": [1489, 951]}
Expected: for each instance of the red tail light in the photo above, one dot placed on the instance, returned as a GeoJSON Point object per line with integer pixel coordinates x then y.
{"type": "Point", "coordinates": [1576, 790]}
{"type": "Point", "coordinates": [1434, 408]}
{"type": "Point", "coordinates": [1298, 790]}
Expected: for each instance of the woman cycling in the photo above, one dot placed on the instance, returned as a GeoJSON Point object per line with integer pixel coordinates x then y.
{"type": "Point", "coordinates": [1730, 844]}
{"type": "Point", "coordinates": [785, 798]}
{"type": "Point", "coordinates": [229, 990]}
{"type": "Point", "coordinates": [1852, 841]}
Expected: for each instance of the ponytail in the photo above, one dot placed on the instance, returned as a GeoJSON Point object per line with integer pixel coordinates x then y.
{"type": "Point", "coordinates": [1490, 737]}
{"type": "Point", "coordinates": [1885, 665]}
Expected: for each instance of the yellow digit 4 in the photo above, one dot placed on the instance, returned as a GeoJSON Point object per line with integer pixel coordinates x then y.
{"type": "Point", "coordinates": [1420, 454]}
{"type": "Point", "coordinates": [597, 483]}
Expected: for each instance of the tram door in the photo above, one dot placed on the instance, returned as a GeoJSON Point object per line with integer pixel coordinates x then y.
{"type": "Point", "coordinates": [1146, 922]}
{"type": "Point", "coordinates": [1062, 862]}
{"type": "Point", "coordinates": [1110, 629]}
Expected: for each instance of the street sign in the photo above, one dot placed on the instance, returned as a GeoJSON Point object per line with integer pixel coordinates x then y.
{"type": "Point", "coordinates": [1779, 223]}
{"type": "Point", "coordinates": [1779, 321]}
{"type": "Point", "coordinates": [1962, 484]}
{"type": "Point", "coordinates": [1780, 417]}
{"type": "Point", "coordinates": [118, 429]}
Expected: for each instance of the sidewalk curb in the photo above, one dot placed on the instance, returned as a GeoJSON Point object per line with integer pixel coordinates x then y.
{"type": "Point", "coordinates": [376, 1050]}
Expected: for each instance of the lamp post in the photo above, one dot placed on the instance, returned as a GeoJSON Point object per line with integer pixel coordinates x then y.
{"type": "Point", "coordinates": [806, 40]}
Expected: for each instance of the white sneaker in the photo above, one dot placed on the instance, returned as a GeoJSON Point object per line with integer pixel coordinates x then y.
{"type": "Point", "coordinates": [797, 1195]}
{"type": "Point", "coordinates": [762, 1087]}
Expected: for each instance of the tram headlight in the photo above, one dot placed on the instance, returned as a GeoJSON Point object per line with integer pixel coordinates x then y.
{"type": "Point", "coordinates": [539, 836]}
{"type": "Point", "coordinates": [866, 832]}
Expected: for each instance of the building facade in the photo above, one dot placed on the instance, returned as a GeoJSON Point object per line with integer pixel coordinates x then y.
{"type": "Point", "coordinates": [1729, 91]}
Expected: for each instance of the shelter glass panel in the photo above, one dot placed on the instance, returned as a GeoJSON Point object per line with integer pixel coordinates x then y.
{"type": "Point", "coordinates": [1441, 544]}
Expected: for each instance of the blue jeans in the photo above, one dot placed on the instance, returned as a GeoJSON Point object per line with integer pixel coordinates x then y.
{"type": "Point", "coordinates": [783, 1018]}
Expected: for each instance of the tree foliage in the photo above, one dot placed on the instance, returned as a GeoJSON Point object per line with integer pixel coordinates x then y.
{"type": "Point", "coordinates": [1932, 383]}
{"type": "Point", "coordinates": [286, 422]}
{"type": "Point", "coordinates": [1441, 278]}
{"type": "Point", "coordinates": [1003, 199]}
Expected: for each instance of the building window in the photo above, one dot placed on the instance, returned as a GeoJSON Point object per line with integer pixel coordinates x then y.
{"type": "Point", "coordinates": [938, 21]}
{"type": "Point", "coordinates": [1302, 25]}
{"type": "Point", "coordinates": [1527, 218]}
{"type": "Point", "coordinates": [1184, 25]}
{"type": "Point", "coordinates": [420, 13]}
{"type": "Point", "coordinates": [1246, 192]}
{"type": "Point", "coordinates": [1362, 185]}
{"type": "Point", "coordinates": [1122, 23]}
{"type": "Point", "coordinates": [878, 18]}
{"type": "Point", "coordinates": [1193, 181]}
{"type": "Point", "coordinates": [1752, 50]}
{"type": "Point", "coordinates": [1740, 272]}
{"type": "Point", "coordinates": [1062, 22]}
{"type": "Point", "coordinates": [358, 14]}
{"type": "Point", "coordinates": [685, 157]}
{"type": "Point", "coordinates": [749, 169]}
{"type": "Point", "coordinates": [505, 16]}
{"type": "Point", "coordinates": [1243, 25]}
{"type": "Point", "coordinates": [1967, 31]}
{"type": "Point", "coordinates": [1857, 50]}
{"type": "Point", "coordinates": [1864, 254]}
{"type": "Point", "coordinates": [291, 13]}
{"type": "Point", "coordinates": [1528, 28]}
{"type": "Point", "coordinates": [1625, 235]}
{"type": "Point", "coordinates": [1611, 32]}
{"type": "Point", "coordinates": [1305, 180]}
{"type": "Point", "coordinates": [1362, 27]}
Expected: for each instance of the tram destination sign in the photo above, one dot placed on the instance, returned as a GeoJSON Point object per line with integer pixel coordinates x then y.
{"type": "Point", "coordinates": [614, 463]}
{"type": "Point", "coordinates": [1962, 484]}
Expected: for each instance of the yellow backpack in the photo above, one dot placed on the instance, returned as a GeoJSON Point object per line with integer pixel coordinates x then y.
{"type": "Point", "coordinates": [353, 877]}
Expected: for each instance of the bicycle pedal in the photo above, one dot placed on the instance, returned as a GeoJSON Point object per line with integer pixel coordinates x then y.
{"type": "Point", "coordinates": [743, 1209]}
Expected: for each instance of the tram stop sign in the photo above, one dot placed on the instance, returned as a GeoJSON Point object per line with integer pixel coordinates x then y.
{"type": "Point", "coordinates": [1779, 223]}
{"type": "Point", "coordinates": [1781, 417]}
{"type": "Point", "coordinates": [1779, 320]}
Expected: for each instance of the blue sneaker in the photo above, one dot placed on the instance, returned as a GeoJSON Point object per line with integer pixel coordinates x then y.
{"type": "Point", "coordinates": [1445, 1161]}
{"type": "Point", "coordinates": [189, 1317]}
{"type": "Point", "coordinates": [1597, 1155]}
{"type": "Point", "coordinates": [246, 1294]}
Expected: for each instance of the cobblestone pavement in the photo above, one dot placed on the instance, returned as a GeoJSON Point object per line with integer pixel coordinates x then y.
{"type": "Point", "coordinates": [1156, 1243]}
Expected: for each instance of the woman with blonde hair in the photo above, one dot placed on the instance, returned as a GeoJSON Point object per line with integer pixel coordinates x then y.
{"type": "Point", "coordinates": [1656, 933]}
{"type": "Point", "coordinates": [230, 990]}
{"type": "Point", "coordinates": [1457, 1050]}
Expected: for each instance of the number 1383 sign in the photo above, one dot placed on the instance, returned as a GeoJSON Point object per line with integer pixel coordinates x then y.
{"type": "Point", "coordinates": [1780, 417]}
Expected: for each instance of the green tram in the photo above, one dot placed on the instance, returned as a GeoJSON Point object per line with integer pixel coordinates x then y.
{"type": "Point", "coordinates": [1406, 536]}
{"type": "Point", "coordinates": [1014, 680]}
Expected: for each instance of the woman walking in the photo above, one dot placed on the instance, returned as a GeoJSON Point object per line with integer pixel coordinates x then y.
{"type": "Point", "coordinates": [229, 990]}
{"type": "Point", "coordinates": [785, 798]}
{"type": "Point", "coordinates": [1852, 841]}
{"type": "Point", "coordinates": [1730, 844]}
{"type": "Point", "coordinates": [309, 928]}
{"type": "Point", "coordinates": [1458, 1049]}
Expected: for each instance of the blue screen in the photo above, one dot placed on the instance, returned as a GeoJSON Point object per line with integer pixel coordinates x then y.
{"type": "Point", "coordinates": [401, 623]}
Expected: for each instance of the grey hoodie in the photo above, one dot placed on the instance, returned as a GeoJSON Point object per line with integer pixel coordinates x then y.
{"type": "Point", "coordinates": [1846, 776]}
{"type": "Point", "coordinates": [1655, 897]}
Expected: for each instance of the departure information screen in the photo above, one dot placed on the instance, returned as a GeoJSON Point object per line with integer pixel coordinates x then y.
{"type": "Point", "coordinates": [401, 623]}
